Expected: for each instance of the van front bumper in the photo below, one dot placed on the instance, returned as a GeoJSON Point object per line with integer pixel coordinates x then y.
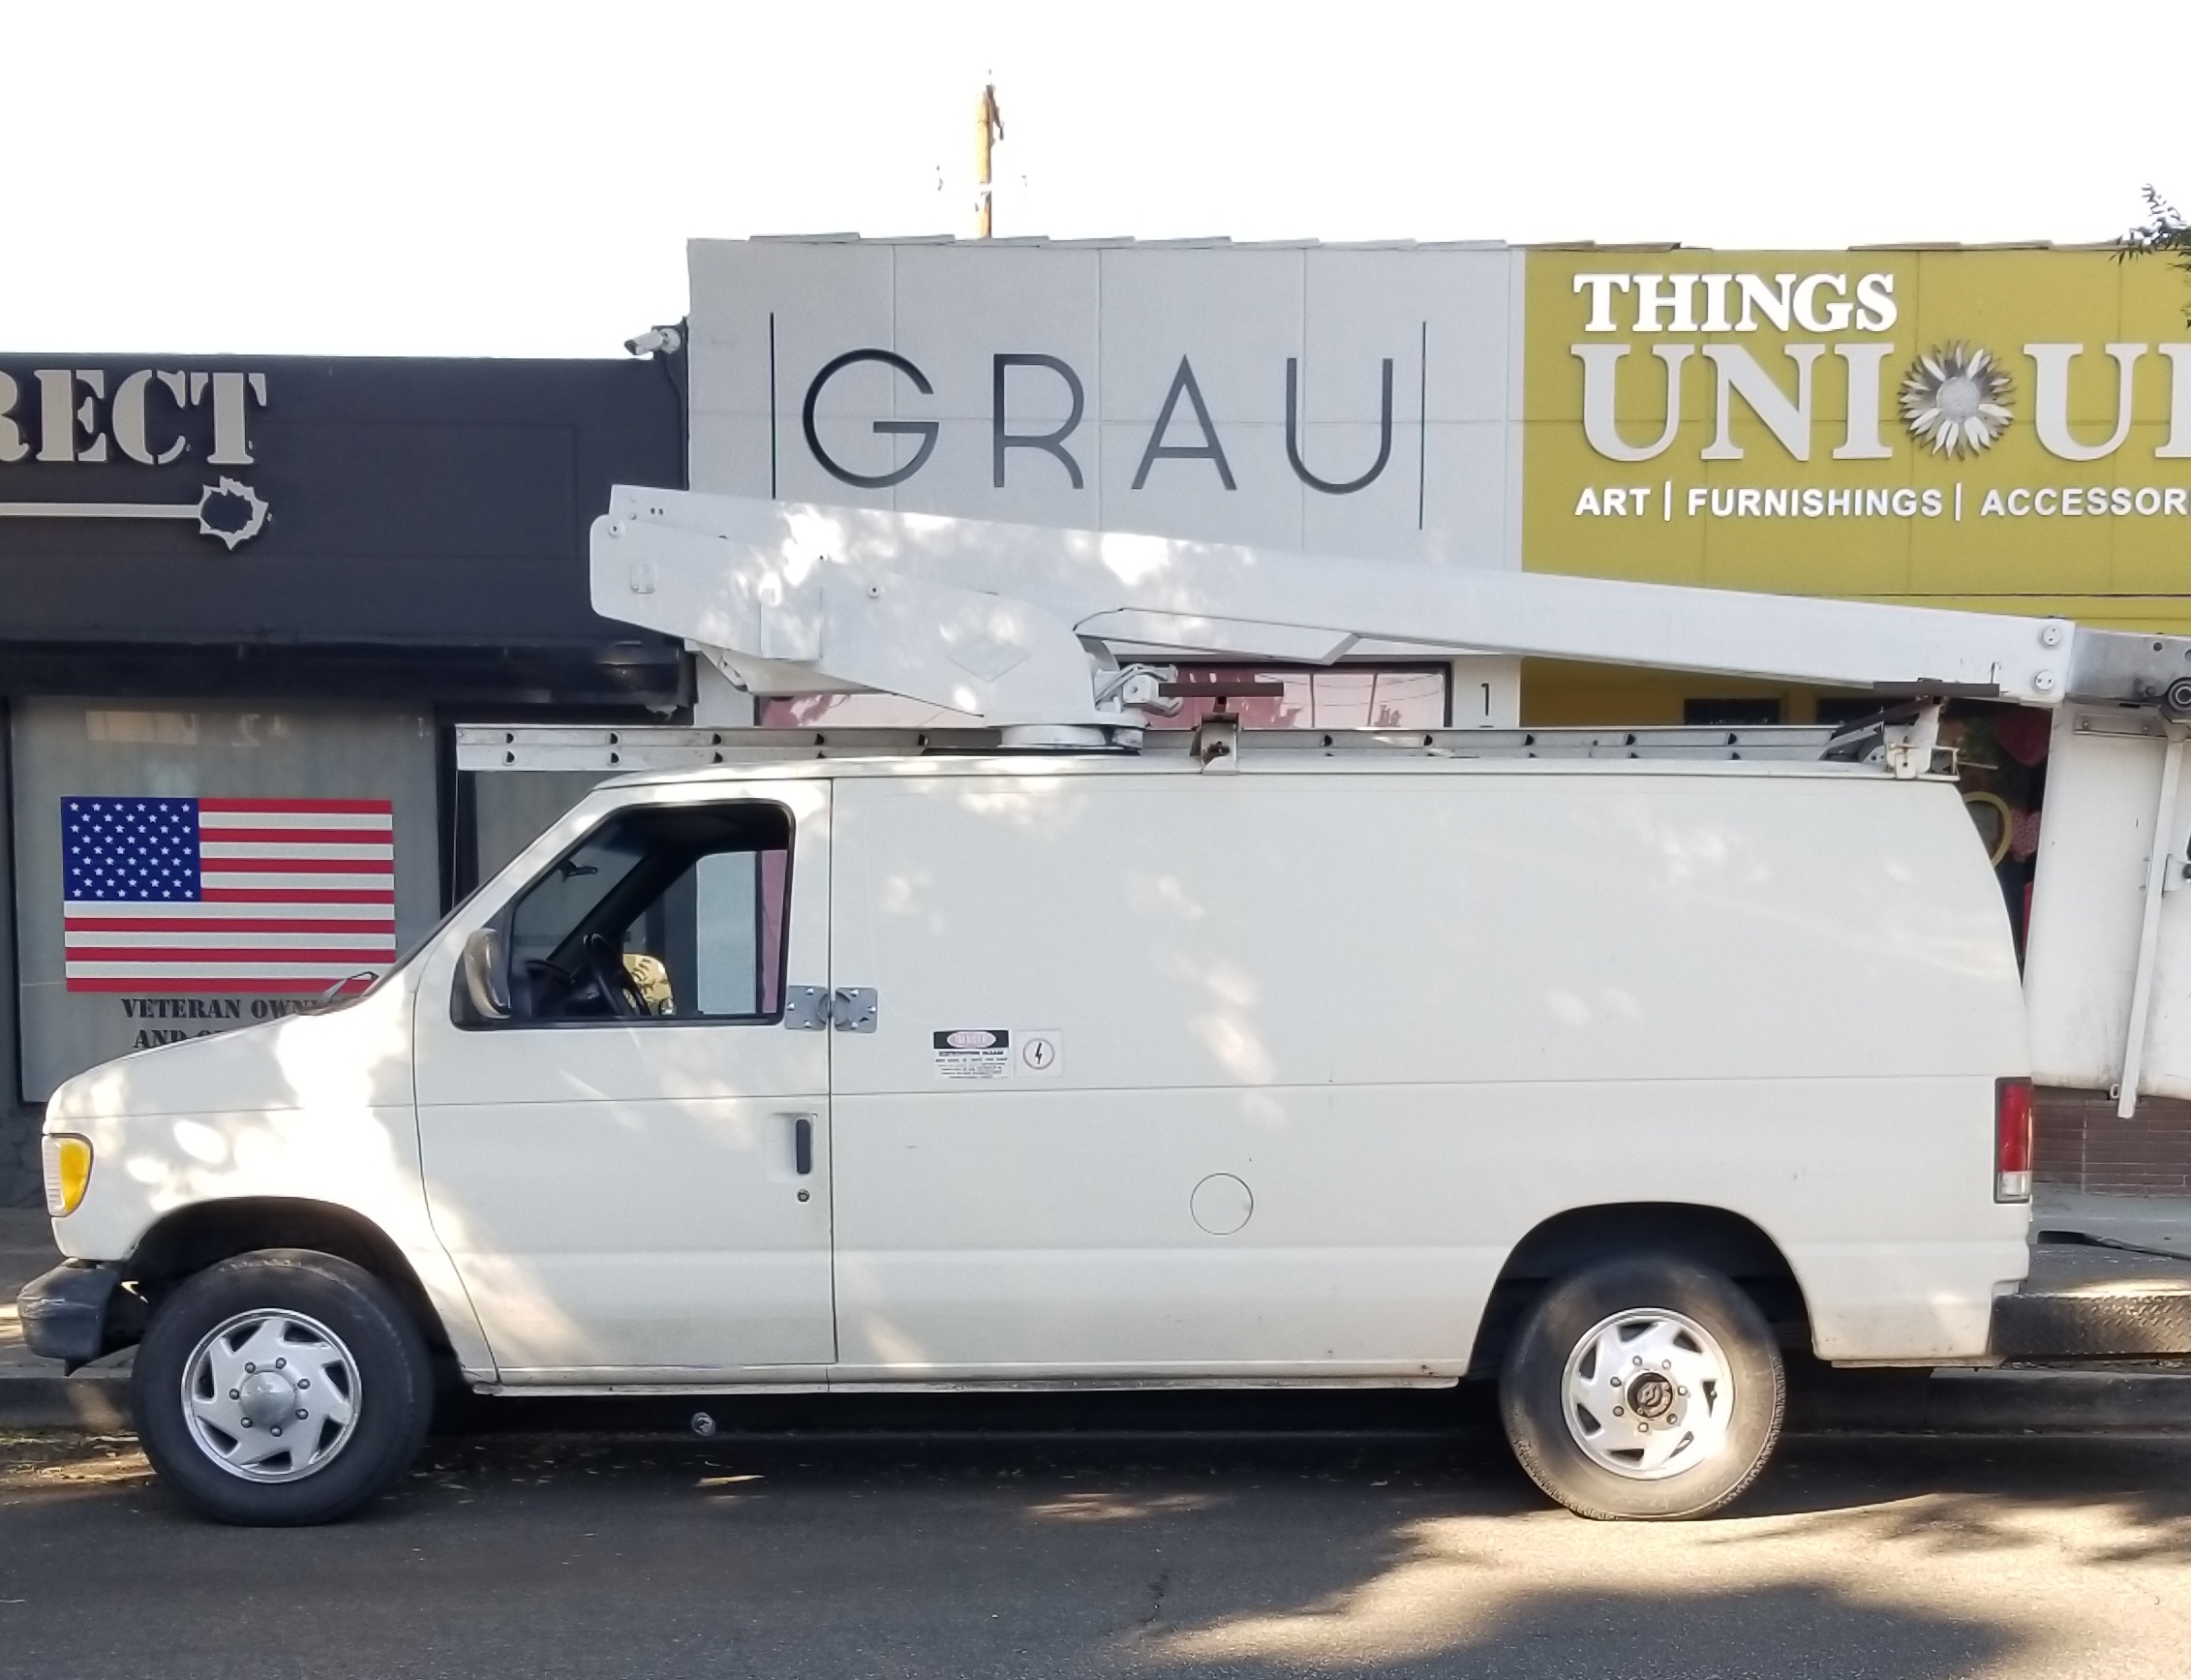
{"type": "Point", "coordinates": [2088, 1301]}
{"type": "Point", "coordinates": [79, 1311]}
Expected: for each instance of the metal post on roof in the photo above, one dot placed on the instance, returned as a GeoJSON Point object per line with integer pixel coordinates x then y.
{"type": "Point", "coordinates": [988, 128]}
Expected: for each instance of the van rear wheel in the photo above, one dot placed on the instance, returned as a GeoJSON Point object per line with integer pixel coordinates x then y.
{"type": "Point", "coordinates": [281, 1387]}
{"type": "Point", "coordinates": [1644, 1388]}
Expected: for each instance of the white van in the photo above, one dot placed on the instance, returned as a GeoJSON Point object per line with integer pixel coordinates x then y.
{"type": "Point", "coordinates": [1613, 1080]}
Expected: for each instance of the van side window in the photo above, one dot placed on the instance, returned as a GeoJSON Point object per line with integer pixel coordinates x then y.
{"type": "Point", "coordinates": [664, 913]}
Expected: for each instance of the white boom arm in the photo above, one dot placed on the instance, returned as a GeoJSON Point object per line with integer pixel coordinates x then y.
{"type": "Point", "coordinates": [1011, 623]}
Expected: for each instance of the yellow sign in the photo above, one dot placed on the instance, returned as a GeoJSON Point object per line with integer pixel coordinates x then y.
{"type": "Point", "coordinates": [1990, 428]}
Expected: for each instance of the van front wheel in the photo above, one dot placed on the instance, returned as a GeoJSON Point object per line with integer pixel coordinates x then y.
{"type": "Point", "coordinates": [1646, 1387]}
{"type": "Point", "coordinates": [281, 1388]}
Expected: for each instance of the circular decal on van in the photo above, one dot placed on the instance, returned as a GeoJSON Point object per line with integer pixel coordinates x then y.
{"type": "Point", "coordinates": [972, 1040]}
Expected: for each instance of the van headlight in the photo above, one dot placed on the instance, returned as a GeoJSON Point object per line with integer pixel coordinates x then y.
{"type": "Point", "coordinates": [66, 1160]}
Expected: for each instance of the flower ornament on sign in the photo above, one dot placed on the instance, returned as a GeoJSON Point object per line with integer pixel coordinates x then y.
{"type": "Point", "coordinates": [1955, 398]}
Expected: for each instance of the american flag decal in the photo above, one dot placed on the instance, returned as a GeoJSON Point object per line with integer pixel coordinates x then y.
{"type": "Point", "coordinates": [225, 895]}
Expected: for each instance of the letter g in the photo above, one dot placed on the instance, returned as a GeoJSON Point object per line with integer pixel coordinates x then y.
{"type": "Point", "coordinates": [924, 430]}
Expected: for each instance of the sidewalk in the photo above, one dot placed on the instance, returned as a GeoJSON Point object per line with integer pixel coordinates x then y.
{"type": "Point", "coordinates": [2130, 1397]}
{"type": "Point", "coordinates": [26, 1249]}
{"type": "Point", "coordinates": [2159, 1223]}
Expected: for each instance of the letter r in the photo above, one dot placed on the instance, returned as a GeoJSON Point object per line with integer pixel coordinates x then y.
{"type": "Point", "coordinates": [1050, 442]}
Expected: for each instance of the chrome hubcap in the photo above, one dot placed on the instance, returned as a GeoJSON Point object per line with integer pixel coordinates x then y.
{"type": "Point", "coordinates": [1648, 1395]}
{"type": "Point", "coordinates": [270, 1396]}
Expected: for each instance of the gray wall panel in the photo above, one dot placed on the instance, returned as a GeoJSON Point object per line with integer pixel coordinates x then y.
{"type": "Point", "coordinates": [64, 747]}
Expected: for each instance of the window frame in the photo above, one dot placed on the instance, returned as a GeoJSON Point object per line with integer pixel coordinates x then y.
{"type": "Point", "coordinates": [466, 1019]}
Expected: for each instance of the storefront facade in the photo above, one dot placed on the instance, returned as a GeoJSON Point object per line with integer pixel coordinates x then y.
{"type": "Point", "coordinates": [247, 602]}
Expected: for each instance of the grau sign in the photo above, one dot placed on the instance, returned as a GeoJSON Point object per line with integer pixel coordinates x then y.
{"type": "Point", "coordinates": [1353, 401]}
{"type": "Point", "coordinates": [1163, 445]}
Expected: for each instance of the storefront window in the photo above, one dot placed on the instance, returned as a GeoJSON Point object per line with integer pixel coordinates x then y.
{"type": "Point", "coordinates": [511, 810]}
{"type": "Point", "coordinates": [1264, 696]}
{"type": "Point", "coordinates": [1331, 698]}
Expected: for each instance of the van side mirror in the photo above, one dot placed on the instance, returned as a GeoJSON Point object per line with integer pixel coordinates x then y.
{"type": "Point", "coordinates": [486, 981]}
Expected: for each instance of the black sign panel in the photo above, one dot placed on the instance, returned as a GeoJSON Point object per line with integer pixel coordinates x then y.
{"type": "Point", "coordinates": [412, 527]}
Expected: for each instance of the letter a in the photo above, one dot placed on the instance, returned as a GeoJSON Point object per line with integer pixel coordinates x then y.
{"type": "Point", "coordinates": [1208, 450]}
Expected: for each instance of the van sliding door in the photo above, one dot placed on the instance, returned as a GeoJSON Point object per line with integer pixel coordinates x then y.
{"type": "Point", "coordinates": [1119, 1117]}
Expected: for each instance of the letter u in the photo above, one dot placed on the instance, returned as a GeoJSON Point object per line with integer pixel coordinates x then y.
{"type": "Point", "coordinates": [2049, 408]}
{"type": "Point", "coordinates": [1332, 487]}
{"type": "Point", "coordinates": [1600, 372]}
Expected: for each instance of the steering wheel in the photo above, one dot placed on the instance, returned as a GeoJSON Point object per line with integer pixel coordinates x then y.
{"type": "Point", "coordinates": [606, 966]}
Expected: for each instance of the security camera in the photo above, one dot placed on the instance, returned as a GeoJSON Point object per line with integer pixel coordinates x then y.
{"type": "Point", "coordinates": [663, 340]}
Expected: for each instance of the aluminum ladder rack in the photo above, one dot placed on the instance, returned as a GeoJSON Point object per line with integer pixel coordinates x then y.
{"type": "Point", "coordinates": [620, 750]}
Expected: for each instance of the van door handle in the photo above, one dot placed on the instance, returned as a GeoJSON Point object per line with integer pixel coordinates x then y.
{"type": "Point", "coordinates": [802, 1144]}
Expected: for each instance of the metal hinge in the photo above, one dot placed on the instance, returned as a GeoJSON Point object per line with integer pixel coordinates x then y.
{"type": "Point", "coordinates": [818, 1008]}
{"type": "Point", "coordinates": [805, 1009]}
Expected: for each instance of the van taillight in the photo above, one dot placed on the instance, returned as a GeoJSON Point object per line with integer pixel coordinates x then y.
{"type": "Point", "coordinates": [2011, 1139]}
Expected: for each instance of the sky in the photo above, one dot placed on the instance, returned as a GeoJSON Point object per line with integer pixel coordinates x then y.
{"type": "Point", "coordinates": [469, 178]}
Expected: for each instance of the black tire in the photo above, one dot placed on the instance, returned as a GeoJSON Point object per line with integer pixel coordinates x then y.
{"type": "Point", "coordinates": [393, 1382]}
{"type": "Point", "coordinates": [1535, 1406]}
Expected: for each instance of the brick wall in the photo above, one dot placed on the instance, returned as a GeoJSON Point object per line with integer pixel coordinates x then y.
{"type": "Point", "coordinates": [2082, 1144]}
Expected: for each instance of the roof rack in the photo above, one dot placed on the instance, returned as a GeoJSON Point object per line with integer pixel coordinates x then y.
{"type": "Point", "coordinates": [618, 750]}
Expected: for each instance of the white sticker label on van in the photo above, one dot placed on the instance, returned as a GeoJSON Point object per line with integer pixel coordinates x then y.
{"type": "Point", "coordinates": [974, 1052]}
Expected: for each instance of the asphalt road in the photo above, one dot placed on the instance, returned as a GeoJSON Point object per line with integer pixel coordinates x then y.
{"type": "Point", "coordinates": [1370, 1554]}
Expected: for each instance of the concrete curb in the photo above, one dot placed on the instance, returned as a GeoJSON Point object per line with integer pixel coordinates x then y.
{"type": "Point", "coordinates": [2053, 1402]}
{"type": "Point", "coordinates": [1998, 1402]}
